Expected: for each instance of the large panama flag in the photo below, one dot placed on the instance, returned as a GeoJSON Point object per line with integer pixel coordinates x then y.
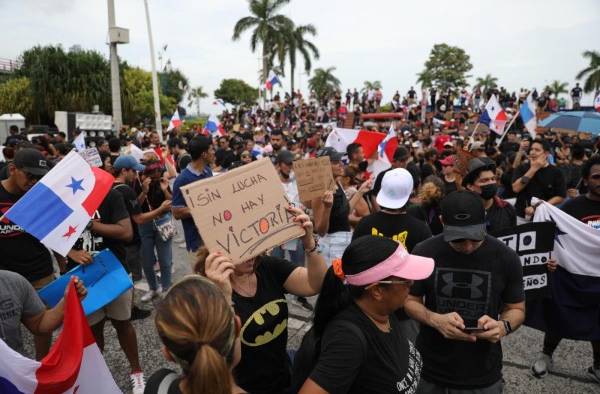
{"type": "Point", "coordinates": [59, 206]}
{"type": "Point", "coordinates": [74, 364]}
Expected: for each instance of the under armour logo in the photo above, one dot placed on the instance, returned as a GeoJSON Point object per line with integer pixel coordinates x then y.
{"type": "Point", "coordinates": [476, 281]}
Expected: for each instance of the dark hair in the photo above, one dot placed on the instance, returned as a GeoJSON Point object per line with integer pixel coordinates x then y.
{"type": "Point", "coordinates": [114, 144]}
{"type": "Point", "coordinates": [586, 169]}
{"type": "Point", "coordinates": [400, 154]}
{"type": "Point", "coordinates": [62, 134]}
{"type": "Point", "coordinates": [577, 151]}
{"type": "Point", "coordinates": [63, 148]}
{"type": "Point", "coordinates": [276, 132]}
{"type": "Point", "coordinates": [14, 127]}
{"type": "Point", "coordinates": [430, 153]}
{"type": "Point", "coordinates": [545, 144]}
{"type": "Point", "coordinates": [197, 146]}
{"type": "Point", "coordinates": [352, 149]}
{"type": "Point", "coordinates": [363, 253]}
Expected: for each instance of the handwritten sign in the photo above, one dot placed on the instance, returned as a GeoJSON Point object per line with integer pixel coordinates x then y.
{"type": "Point", "coordinates": [313, 177]}
{"type": "Point", "coordinates": [534, 243]}
{"type": "Point", "coordinates": [242, 213]}
{"type": "Point", "coordinates": [92, 157]}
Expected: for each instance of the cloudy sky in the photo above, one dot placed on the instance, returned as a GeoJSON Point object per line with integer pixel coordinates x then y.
{"type": "Point", "coordinates": [524, 43]}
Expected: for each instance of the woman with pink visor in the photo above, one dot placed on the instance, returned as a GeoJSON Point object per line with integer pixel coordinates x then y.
{"type": "Point", "coordinates": [356, 345]}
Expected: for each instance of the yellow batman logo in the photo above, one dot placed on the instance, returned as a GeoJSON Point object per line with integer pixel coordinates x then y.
{"type": "Point", "coordinates": [400, 237]}
{"type": "Point", "coordinates": [265, 324]}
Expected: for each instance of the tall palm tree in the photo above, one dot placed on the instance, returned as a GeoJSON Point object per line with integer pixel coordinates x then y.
{"type": "Point", "coordinates": [592, 81]}
{"type": "Point", "coordinates": [195, 95]}
{"type": "Point", "coordinates": [557, 88]}
{"type": "Point", "coordinates": [323, 82]}
{"type": "Point", "coordinates": [424, 79]}
{"type": "Point", "coordinates": [269, 27]}
{"type": "Point", "coordinates": [296, 42]}
{"type": "Point", "coordinates": [486, 83]}
{"type": "Point", "coordinates": [368, 85]}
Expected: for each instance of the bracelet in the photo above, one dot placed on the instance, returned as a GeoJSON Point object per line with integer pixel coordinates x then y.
{"type": "Point", "coordinates": [507, 326]}
{"type": "Point", "coordinates": [314, 248]}
{"type": "Point", "coordinates": [525, 180]}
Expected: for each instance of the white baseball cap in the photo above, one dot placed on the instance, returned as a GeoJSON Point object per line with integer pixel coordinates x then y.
{"type": "Point", "coordinates": [396, 187]}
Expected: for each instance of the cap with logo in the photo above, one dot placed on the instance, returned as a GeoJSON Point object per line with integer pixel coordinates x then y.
{"type": "Point", "coordinates": [396, 186]}
{"type": "Point", "coordinates": [331, 152]}
{"type": "Point", "coordinates": [129, 162]}
{"type": "Point", "coordinates": [31, 161]}
{"type": "Point", "coordinates": [463, 215]}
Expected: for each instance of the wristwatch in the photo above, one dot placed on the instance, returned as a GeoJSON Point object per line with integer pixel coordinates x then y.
{"type": "Point", "coordinates": [507, 326]}
{"type": "Point", "coordinates": [525, 180]}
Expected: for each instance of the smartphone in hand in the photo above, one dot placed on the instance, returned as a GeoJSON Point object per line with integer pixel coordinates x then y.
{"type": "Point", "coordinates": [473, 330]}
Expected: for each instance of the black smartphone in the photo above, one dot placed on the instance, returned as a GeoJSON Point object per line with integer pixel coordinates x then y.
{"type": "Point", "coordinates": [473, 330]}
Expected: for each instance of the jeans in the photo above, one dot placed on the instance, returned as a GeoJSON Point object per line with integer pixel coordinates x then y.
{"type": "Point", "coordinates": [151, 240]}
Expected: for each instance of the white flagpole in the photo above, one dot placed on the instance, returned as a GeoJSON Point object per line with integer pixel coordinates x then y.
{"type": "Point", "coordinates": [157, 118]}
{"type": "Point", "coordinates": [508, 128]}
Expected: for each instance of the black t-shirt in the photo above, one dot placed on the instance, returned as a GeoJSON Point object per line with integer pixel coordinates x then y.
{"type": "Point", "coordinates": [133, 208]}
{"type": "Point", "coordinates": [585, 210]}
{"type": "Point", "coordinates": [429, 215]}
{"type": "Point", "coordinates": [449, 187]}
{"type": "Point", "coordinates": [389, 363]}
{"type": "Point", "coordinates": [183, 161]}
{"type": "Point", "coordinates": [21, 252]}
{"type": "Point", "coordinates": [264, 367]}
{"type": "Point", "coordinates": [169, 380]}
{"type": "Point", "coordinates": [155, 195]}
{"type": "Point", "coordinates": [224, 158]}
{"type": "Point", "coordinates": [547, 182]}
{"type": "Point", "coordinates": [427, 169]}
{"type": "Point", "coordinates": [472, 285]}
{"type": "Point", "coordinates": [338, 217]}
{"type": "Point", "coordinates": [508, 146]}
{"type": "Point", "coordinates": [402, 228]}
{"type": "Point", "coordinates": [111, 211]}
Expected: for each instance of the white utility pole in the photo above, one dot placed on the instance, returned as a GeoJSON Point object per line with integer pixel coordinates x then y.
{"type": "Point", "coordinates": [157, 118]}
{"type": "Point", "coordinates": [114, 68]}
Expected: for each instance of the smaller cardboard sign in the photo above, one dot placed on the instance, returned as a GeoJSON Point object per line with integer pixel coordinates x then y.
{"type": "Point", "coordinates": [313, 177]}
{"type": "Point", "coordinates": [242, 213]}
{"type": "Point", "coordinates": [92, 157]}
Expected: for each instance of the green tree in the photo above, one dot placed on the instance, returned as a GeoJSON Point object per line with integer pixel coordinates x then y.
{"type": "Point", "coordinates": [424, 79]}
{"type": "Point", "coordinates": [591, 73]}
{"type": "Point", "coordinates": [557, 88]}
{"type": "Point", "coordinates": [15, 97]}
{"type": "Point", "coordinates": [269, 30]}
{"type": "Point", "coordinates": [368, 85]}
{"type": "Point", "coordinates": [324, 83]}
{"type": "Point", "coordinates": [446, 68]}
{"type": "Point", "coordinates": [236, 92]}
{"type": "Point", "coordinates": [173, 84]}
{"type": "Point", "coordinates": [138, 99]}
{"type": "Point", "coordinates": [486, 83]}
{"type": "Point", "coordinates": [194, 97]}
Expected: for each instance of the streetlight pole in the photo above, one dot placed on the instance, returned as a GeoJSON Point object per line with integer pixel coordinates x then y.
{"type": "Point", "coordinates": [114, 71]}
{"type": "Point", "coordinates": [157, 118]}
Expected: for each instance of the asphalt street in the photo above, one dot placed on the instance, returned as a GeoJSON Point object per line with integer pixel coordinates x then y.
{"type": "Point", "coordinates": [571, 359]}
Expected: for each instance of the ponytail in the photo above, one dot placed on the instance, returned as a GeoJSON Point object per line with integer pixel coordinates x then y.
{"type": "Point", "coordinates": [208, 374]}
{"type": "Point", "coordinates": [334, 297]}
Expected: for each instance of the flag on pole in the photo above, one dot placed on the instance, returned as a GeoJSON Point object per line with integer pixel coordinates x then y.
{"type": "Point", "coordinates": [59, 206]}
{"type": "Point", "coordinates": [494, 116]}
{"type": "Point", "coordinates": [527, 111]}
{"type": "Point", "coordinates": [214, 127]}
{"type": "Point", "coordinates": [272, 80]}
{"type": "Point", "coordinates": [597, 103]}
{"type": "Point", "coordinates": [175, 121]}
{"type": "Point", "coordinates": [219, 102]}
{"type": "Point", "coordinates": [339, 139]}
{"type": "Point", "coordinates": [74, 364]}
{"type": "Point", "coordinates": [385, 153]}
{"type": "Point", "coordinates": [79, 142]}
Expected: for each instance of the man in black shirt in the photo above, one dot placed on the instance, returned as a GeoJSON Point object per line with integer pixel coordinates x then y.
{"type": "Point", "coordinates": [537, 178]}
{"type": "Point", "coordinates": [224, 156]}
{"type": "Point", "coordinates": [476, 279]}
{"type": "Point", "coordinates": [400, 160]}
{"type": "Point", "coordinates": [481, 179]}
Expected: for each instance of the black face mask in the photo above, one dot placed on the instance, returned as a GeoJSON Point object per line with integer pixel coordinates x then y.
{"type": "Point", "coordinates": [488, 191]}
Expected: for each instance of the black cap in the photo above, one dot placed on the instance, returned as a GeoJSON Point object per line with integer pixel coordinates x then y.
{"type": "Point", "coordinates": [32, 161]}
{"type": "Point", "coordinates": [285, 156]}
{"type": "Point", "coordinates": [475, 167]}
{"type": "Point", "coordinates": [463, 215]}
{"type": "Point", "coordinates": [331, 152]}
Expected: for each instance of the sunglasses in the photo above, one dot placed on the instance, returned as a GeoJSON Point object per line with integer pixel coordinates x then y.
{"type": "Point", "coordinates": [404, 282]}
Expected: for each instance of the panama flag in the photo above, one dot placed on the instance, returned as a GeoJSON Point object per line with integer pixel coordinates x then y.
{"type": "Point", "coordinates": [494, 116]}
{"type": "Point", "coordinates": [597, 103]}
{"type": "Point", "coordinates": [527, 112]}
{"type": "Point", "coordinates": [220, 102]}
{"type": "Point", "coordinates": [59, 206]}
{"type": "Point", "coordinates": [175, 121]}
{"type": "Point", "coordinates": [79, 142]}
{"type": "Point", "coordinates": [214, 127]}
{"type": "Point", "coordinates": [385, 153]}
{"type": "Point", "coordinates": [272, 80]}
{"type": "Point", "coordinates": [339, 139]}
{"type": "Point", "coordinates": [74, 364]}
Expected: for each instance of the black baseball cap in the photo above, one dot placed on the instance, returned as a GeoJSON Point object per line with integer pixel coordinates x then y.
{"type": "Point", "coordinates": [285, 156]}
{"type": "Point", "coordinates": [463, 215]}
{"type": "Point", "coordinates": [331, 152]}
{"type": "Point", "coordinates": [31, 161]}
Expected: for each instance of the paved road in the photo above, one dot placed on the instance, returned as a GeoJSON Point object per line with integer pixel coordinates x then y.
{"type": "Point", "coordinates": [571, 359]}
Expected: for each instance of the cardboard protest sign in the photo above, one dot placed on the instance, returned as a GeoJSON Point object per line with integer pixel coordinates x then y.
{"type": "Point", "coordinates": [242, 213]}
{"type": "Point", "coordinates": [105, 280]}
{"type": "Point", "coordinates": [313, 177]}
{"type": "Point", "coordinates": [534, 243]}
{"type": "Point", "coordinates": [92, 157]}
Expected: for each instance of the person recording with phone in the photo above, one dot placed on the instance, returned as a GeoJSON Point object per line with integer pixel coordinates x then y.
{"type": "Point", "coordinates": [472, 300]}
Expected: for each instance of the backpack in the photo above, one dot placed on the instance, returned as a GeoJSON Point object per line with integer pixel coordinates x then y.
{"type": "Point", "coordinates": [308, 354]}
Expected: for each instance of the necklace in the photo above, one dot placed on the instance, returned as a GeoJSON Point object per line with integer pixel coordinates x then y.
{"type": "Point", "coordinates": [385, 327]}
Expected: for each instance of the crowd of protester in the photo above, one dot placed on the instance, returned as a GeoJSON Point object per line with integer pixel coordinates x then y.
{"type": "Point", "coordinates": [374, 248]}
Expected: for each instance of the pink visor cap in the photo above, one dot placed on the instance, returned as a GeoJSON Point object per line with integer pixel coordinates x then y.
{"type": "Point", "coordinates": [400, 264]}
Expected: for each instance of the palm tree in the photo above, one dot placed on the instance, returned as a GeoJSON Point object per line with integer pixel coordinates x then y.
{"type": "Point", "coordinates": [323, 82]}
{"type": "Point", "coordinates": [195, 95]}
{"type": "Point", "coordinates": [424, 79]}
{"type": "Point", "coordinates": [269, 28]}
{"type": "Point", "coordinates": [297, 43]}
{"type": "Point", "coordinates": [368, 85]}
{"type": "Point", "coordinates": [486, 83]}
{"type": "Point", "coordinates": [592, 81]}
{"type": "Point", "coordinates": [557, 88]}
